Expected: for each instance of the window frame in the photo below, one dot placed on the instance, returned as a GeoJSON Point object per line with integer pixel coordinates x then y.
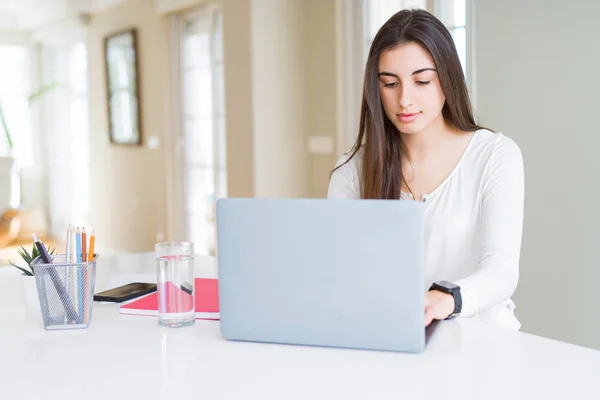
{"type": "Point", "coordinates": [179, 225]}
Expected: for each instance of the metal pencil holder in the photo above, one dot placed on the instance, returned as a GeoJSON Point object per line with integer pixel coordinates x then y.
{"type": "Point", "coordinates": [65, 291]}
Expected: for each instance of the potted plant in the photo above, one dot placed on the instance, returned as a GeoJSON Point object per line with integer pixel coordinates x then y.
{"type": "Point", "coordinates": [28, 275]}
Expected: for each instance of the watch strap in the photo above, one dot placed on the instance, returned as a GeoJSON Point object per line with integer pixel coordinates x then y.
{"type": "Point", "coordinates": [452, 290]}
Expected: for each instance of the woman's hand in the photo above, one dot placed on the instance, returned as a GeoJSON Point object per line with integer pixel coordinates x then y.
{"type": "Point", "coordinates": [438, 305]}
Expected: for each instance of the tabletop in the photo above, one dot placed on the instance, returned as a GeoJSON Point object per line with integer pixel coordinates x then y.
{"type": "Point", "coordinates": [131, 357]}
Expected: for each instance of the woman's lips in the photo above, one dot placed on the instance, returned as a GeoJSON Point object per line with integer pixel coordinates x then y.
{"type": "Point", "coordinates": [407, 117]}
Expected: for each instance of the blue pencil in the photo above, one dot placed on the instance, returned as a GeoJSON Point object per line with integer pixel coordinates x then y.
{"type": "Point", "coordinates": [79, 275]}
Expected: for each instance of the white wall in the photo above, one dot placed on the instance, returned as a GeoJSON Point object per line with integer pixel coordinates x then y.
{"type": "Point", "coordinates": [275, 97]}
{"type": "Point", "coordinates": [128, 190]}
{"type": "Point", "coordinates": [323, 87]}
{"type": "Point", "coordinates": [537, 81]}
{"type": "Point", "coordinates": [280, 83]}
{"type": "Point", "coordinates": [279, 98]}
{"type": "Point", "coordinates": [237, 49]}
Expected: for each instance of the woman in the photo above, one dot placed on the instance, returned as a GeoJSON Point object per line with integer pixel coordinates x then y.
{"type": "Point", "coordinates": [418, 140]}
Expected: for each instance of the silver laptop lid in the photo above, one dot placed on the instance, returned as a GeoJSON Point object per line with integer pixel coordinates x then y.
{"type": "Point", "coordinates": [341, 273]}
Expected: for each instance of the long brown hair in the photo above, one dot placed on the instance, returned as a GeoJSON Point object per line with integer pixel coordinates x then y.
{"type": "Point", "coordinates": [381, 171]}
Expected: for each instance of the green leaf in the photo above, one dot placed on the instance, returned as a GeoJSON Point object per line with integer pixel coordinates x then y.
{"type": "Point", "coordinates": [26, 272]}
{"type": "Point", "coordinates": [29, 257]}
{"type": "Point", "coordinates": [41, 91]}
{"type": "Point", "coordinates": [25, 254]}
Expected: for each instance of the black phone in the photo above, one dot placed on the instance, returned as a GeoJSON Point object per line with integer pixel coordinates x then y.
{"type": "Point", "coordinates": [125, 292]}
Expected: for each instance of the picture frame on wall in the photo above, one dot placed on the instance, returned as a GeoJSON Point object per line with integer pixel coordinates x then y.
{"type": "Point", "coordinates": [122, 87]}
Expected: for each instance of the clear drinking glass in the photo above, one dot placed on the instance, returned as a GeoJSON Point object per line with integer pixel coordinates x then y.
{"type": "Point", "coordinates": [175, 281]}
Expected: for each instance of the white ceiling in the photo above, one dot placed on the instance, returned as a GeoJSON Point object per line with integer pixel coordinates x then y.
{"type": "Point", "coordinates": [28, 15]}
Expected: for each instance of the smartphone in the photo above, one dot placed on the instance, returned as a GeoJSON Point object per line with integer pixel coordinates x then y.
{"type": "Point", "coordinates": [125, 292]}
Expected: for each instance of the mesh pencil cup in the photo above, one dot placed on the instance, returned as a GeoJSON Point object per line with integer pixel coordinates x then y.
{"type": "Point", "coordinates": [65, 291]}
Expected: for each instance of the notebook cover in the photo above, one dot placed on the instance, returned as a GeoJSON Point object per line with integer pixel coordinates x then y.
{"type": "Point", "coordinates": [207, 301]}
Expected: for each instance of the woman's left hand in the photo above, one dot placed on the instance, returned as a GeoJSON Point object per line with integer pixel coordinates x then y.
{"type": "Point", "coordinates": [438, 305]}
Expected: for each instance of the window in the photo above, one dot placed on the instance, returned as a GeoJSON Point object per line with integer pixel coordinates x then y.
{"type": "Point", "coordinates": [14, 92]}
{"type": "Point", "coordinates": [203, 123]}
{"type": "Point", "coordinates": [453, 13]}
{"type": "Point", "coordinates": [65, 124]}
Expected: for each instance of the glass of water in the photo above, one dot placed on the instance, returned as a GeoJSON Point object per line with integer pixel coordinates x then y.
{"type": "Point", "coordinates": [175, 281]}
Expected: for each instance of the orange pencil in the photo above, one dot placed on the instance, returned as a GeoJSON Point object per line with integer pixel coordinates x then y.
{"type": "Point", "coordinates": [92, 241]}
{"type": "Point", "coordinates": [83, 251]}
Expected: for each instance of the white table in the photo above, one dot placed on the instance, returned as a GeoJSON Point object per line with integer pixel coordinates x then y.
{"type": "Point", "coordinates": [131, 357]}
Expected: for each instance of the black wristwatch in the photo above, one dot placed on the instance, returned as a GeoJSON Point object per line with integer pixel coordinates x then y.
{"type": "Point", "coordinates": [452, 289]}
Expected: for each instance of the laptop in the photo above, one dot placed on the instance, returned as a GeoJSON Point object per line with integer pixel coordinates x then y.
{"type": "Point", "coordinates": [322, 272]}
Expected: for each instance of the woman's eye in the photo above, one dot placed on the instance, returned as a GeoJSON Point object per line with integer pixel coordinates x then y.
{"type": "Point", "coordinates": [422, 83]}
{"type": "Point", "coordinates": [391, 84]}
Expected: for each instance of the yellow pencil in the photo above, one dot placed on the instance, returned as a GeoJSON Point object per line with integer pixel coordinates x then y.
{"type": "Point", "coordinates": [92, 241]}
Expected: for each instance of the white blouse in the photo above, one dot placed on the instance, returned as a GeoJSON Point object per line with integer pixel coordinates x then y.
{"type": "Point", "coordinates": [473, 224]}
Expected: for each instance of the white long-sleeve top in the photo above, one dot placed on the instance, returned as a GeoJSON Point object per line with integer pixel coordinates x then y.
{"type": "Point", "coordinates": [473, 224]}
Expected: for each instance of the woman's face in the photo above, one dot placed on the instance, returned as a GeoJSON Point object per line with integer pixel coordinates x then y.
{"type": "Point", "coordinates": [410, 90]}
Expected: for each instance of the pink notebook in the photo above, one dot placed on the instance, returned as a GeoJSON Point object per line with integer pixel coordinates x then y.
{"type": "Point", "coordinates": [207, 301]}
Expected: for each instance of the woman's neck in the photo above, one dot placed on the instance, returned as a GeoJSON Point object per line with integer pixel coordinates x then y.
{"type": "Point", "coordinates": [427, 143]}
